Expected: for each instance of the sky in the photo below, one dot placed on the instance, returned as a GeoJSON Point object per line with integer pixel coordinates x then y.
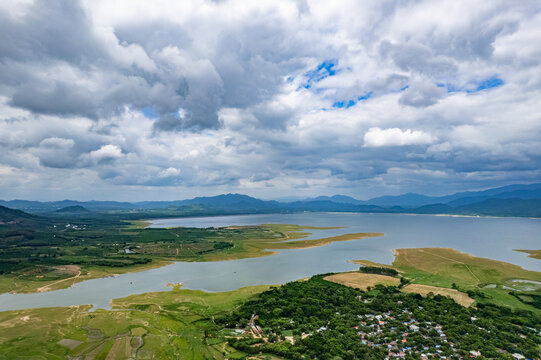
{"type": "Point", "coordinates": [162, 100]}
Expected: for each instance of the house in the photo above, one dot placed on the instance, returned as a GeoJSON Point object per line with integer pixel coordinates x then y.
{"type": "Point", "coordinates": [474, 354]}
{"type": "Point", "coordinates": [518, 356]}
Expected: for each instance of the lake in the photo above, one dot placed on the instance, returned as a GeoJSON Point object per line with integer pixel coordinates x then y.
{"type": "Point", "coordinates": [493, 238]}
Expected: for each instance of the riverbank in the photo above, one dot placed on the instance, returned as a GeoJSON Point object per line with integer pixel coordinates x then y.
{"type": "Point", "coordinates": [17, 285]}
{"type": "Point", "coordinates": [155, 248]}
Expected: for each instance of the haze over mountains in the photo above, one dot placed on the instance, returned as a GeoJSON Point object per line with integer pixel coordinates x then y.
{"type": "Point", "coordinates": [512, 200]}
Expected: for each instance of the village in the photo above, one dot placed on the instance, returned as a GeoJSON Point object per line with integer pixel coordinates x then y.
{"type": "Point", "coordinates": [397, 332]}
{"type": "Point", "coordinates": [401, 333]}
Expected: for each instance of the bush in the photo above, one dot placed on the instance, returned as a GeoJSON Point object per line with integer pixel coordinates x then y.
{"type": "Point", "coordinates": [378, 270]}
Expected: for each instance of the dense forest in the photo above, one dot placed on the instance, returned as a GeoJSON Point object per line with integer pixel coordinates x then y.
{"type": "Point", "coordinates": [324, 320]}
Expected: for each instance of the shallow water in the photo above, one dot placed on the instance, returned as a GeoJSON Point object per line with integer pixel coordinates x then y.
{"type": "Point", "coordinates": [493, 238]}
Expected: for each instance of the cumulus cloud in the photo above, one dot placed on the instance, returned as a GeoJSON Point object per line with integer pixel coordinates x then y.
{"type": "Point", "coordinates": [376, 137]}
{"type": "Point", "coordinates": [172, 99]}
{"type": "Point", "coordinates": [106, 153]}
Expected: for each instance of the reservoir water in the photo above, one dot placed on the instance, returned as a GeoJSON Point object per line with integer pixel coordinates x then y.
{"type": "Point", "coordinates": [493, 238]}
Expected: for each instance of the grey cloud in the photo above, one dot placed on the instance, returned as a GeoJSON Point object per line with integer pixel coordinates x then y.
{"type": "Point", "coordinates": [245, 67]}
{"type": "Point", "coordinates": [69, 44]}
{"type": "Point", "coordinates": [108, 173]}
{"type": "Point", "coordinates": [477, 43]}
{"type": "Point", "coordinates": [54, 29]}
{"type": "Point", "coordinates": [269, 116]}
{"type": "Point", "coordinates": [466, 161]}
{"type": "Point", "coordinates": [155, 35]}
{"type": "Point", "coordinates": [170, 123]}
{"type": "Point", "coordinates": [241, 71]}
{"type": "Point", "coordinates": [422, 94]}
{"type": "Point", "coordinates": [358, 171]}
{"type": "Point", "coordinates": [419, 58]}
{"type": "Point", "coordinates": [475, 40]}
{"type": "Point", "coordinates": [201, 118]}
{"type": "Point", "coordinates": [392, 82]}
{"type": "Point", "coordinates": [58, 98]}
{"type": "Point", "coordinates": [56, 153]}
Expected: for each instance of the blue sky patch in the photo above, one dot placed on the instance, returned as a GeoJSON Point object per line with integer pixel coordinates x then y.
{"type": "Point", "coordinates": [149, 112]}
{"type": "Point", "coordinates": [470, 88]}
{"type": "Point", "coordinates": [349, 103]}
{"type": "Point", "coordinates": [366, 96]}
{"type": "Point", "coordinates": [323, 70]}
{"type": "Point", "coordinates": [488, 84]}
{"type": "Point", "coordinates": [339, 104]}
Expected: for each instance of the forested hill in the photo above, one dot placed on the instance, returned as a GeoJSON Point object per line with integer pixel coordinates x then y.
{"type": "Point", "coordinates": [12, 217]}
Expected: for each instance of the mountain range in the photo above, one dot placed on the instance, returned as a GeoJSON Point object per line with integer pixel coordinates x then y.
{"type": "Point", "coordinates": [512, 200]}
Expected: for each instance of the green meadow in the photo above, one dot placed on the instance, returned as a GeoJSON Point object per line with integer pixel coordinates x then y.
{"type": "Point", "coordinates": [166, 325]}
{"type": "Point", "coordinates": [486, 280]}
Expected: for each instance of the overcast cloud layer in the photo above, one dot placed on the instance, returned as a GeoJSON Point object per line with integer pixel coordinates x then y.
{"type": "Point", "coordinates": [136, 100]}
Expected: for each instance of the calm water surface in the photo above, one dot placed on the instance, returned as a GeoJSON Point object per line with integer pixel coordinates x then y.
{"type": "Point", "coordinates": [493, 238]}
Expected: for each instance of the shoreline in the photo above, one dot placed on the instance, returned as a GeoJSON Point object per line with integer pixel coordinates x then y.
{"type": "Point", "coordinates": [78, 279]}
{"type": "Point", "coordinates": [164, 261]}
{"type": "Point", "coordinates": [534, 254]}
{"type": "Point", "coordinates": [292, 238]}
{"type": "Point", "coordinates": [448, 254]}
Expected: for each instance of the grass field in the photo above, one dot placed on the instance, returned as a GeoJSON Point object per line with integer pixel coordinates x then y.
{"type": "Point", "coordinates": [362, 281]}
{"type": "Point", "coordinates": [424, 290]}
{"type": "Point", "coordinates": [443, 267]}
{"type": "Point", "coordinates": [174, 324]}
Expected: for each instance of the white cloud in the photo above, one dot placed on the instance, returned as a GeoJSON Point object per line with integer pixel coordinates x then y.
{"type": "Point", "coordinates": [227, 83]}
{"type": "Point", "coordinates": [169, 172]}
{"type": "Point", "coordinates": [376, 137]}
{"type": "Point", "coordinates": [106, 153]}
